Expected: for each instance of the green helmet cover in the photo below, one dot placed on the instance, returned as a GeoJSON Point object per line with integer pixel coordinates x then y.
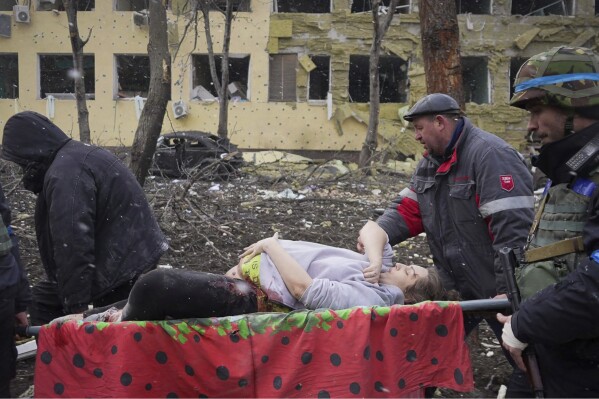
{"type": "Point", "coordinates": [566, 77]}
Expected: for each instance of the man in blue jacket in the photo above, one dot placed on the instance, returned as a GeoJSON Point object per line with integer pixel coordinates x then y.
{"type": "Point", "coordinates": [560, 89]}
{"type": "Point", "coordinates": [95, 230]}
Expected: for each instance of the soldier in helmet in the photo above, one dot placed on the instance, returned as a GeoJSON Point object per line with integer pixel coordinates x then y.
{"type": "Point", "coordinates": [471, 194]}
{"type": "Point", "coordinates": [560, 90]}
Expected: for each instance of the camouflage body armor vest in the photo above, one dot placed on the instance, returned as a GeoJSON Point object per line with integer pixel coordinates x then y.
{"type": "Point", "coordinates": [556, 247]}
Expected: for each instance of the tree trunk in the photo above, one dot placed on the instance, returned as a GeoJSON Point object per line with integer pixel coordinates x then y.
{"type": "Point", "coordinates": [77, 47]}
{"type": "Point", "coordinates": [221, 82]}
{"type": "Point", "coordinates": [381, 24]}
{"type": "Point", "coordinates": [152, 115]}
{"type": "Point", "coordinates": [223, 114]}
{"type": "Point", "coordinates": [441, 48]}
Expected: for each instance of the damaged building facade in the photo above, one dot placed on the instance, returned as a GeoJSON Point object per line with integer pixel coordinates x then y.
{"type": "Point", "coordinates": [299, 68]}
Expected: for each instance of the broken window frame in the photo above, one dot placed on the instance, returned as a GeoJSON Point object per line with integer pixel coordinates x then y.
{"type": "Point", "coordinates": [9, 75]}
{"type": "Point", "coordinates": [240, 61]}
{"type": "Point", "coordinates": [313, 78]}
{"type": "Point", "coordinates": [67, 91]}
{"type": "Point", "coordinates": [303, 3]}
{"type": "Point", "coordinates": [475, 93]}
{"type": "Point", "coordinates": [58, 5]}
{"type": "Point", "coordinates": [467, 7]}
{"type": "Point", "coordinates": [136, 62]}
{"type": "Point", "coordinates": [361, 6]}
{"type": "Point", "coordinates": [282, 67]}
{"type": "Point", "coordinates": [360, 84]}
{"type": "Point", "coordinates": [567, 7]}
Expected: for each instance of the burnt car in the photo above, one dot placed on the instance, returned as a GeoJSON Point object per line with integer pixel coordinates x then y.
{"type": "Point", "coordinates": [187, 153]}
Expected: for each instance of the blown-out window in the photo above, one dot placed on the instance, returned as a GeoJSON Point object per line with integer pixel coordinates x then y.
{"type": "Point", "coordinates": [393, 79]}
{"type": "Point", "coordinates": [515, 64]}
{"type": "Point", "coordinates": [9, 76]}
{"type": "Point", "coordinates": [48, 5]}
{"type": "Point", "coordinates": [303, 6]}
{"type": "Point", "coordinates": [130, 5]}
{"type": "Point", "coordinates": [475, 79]}
{"type": "Point", "coordinates": [203, 85]}
{"type": "Point", "coordinates": [282, 77]}
{"type": "Point", "coordinates": [543, 7]}
{"type": "Point", "coordinates": [319, 78]}
{"type": "Point", "coordinates": [473, 6]}
{"type": "Point", "coordinates": [57, 76]}
{"type": "Point", "coordinates": [237, 5]}
{"type": "Point", "coordinates": [6, 5]}
{"type": "Point", "coordinates": [133, 75]}
{"type": "Point", "coordinates": [403, 6]}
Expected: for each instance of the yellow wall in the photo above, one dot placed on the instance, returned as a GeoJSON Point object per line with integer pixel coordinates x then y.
{"type": "Point", "coordinates": [259, 124]}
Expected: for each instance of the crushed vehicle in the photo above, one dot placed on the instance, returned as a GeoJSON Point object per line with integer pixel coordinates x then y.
{"type": "Point", "coordinates": [191, 153]}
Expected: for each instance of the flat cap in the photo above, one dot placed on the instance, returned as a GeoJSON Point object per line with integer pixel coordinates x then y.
{"type": "Point", "coordinates": [433, 104]}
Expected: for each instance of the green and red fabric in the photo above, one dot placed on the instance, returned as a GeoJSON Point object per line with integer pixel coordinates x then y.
{"type": "Point", "coordinates": [359, 352]}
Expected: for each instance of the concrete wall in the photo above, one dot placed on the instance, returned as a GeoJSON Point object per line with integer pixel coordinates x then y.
{"type": "Point", "coordinates": [258, 123]}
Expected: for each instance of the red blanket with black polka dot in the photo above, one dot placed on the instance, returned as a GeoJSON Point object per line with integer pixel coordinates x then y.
{"type": "Point", "coordinates": [358, 352]}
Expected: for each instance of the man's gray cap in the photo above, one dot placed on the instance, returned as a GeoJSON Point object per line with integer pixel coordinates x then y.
{"type": "Point", "coordinates": [433, 104]}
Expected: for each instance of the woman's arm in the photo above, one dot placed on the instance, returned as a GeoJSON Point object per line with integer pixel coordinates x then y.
{"type": "Point", "coordinates": [296, 279]}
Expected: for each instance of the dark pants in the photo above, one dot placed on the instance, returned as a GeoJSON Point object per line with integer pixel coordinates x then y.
{"type": "Point", "coordinates": [47, 306]}
{"type": "Point", "coordinates": [180, 294]}
{"type": "Point", "coordinates": [8, 350]}
{"type": "Point", "coordinates": [518, 385]}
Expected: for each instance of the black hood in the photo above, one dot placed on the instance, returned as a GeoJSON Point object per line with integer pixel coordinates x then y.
{"type": "Point", "coordinates": [31, 137]}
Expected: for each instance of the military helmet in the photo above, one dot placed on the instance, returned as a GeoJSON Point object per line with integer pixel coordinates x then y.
{"type": "Point", "coordinates": [566, 77]}
{"type": "Point", "coordinates": [433, 104]}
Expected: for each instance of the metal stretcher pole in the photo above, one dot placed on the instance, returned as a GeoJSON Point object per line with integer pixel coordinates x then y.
{"type": "Point", "coordinates": [28, 331]}
{"type": "Point", "coordinates": [483, 305]}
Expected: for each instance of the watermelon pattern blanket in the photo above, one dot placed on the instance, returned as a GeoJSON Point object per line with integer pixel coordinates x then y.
{"type": "Point", "coordinates": [358, 352]}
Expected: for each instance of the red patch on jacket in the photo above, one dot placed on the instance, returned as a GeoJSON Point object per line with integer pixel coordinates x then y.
{"type": "Point", "coordinates": [507, 182]}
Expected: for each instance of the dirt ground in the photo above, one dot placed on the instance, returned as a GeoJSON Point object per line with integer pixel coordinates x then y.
{"type": "Point", "coordinates": [209, 223]}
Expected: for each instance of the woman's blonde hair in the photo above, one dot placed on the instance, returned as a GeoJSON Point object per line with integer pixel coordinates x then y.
{"type": "Point", "coordinates": [428, 288]}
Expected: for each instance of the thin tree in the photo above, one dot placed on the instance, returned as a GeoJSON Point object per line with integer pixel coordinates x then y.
{"type": "Point", "coordinates": [78, 76]}
{"type": "Point", "coordinates": [381, 21]}
{"type": "Point", "coordinates": [152, 115]}
{"type": "Point", "coordinates": [221, 82]}
{"type": "Point", "coordinates": [440, 35]}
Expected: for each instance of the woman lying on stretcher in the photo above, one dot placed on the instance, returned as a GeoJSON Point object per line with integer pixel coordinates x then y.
{"type": "Point", "coordinates": [274, 275]}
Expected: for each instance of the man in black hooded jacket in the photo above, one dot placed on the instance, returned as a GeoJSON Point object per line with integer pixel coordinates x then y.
{"type": "Point", "coordinates": [95, 229]}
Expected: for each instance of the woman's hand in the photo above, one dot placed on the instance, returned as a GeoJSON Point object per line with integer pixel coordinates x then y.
{"type": "Point", "coordinates": [373, 271]}
{"type": "Point", "coordinates": [258, 247]}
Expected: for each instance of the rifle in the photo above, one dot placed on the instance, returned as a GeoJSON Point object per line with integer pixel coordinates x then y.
{"type": "Point", "coordinates": [509, 261]}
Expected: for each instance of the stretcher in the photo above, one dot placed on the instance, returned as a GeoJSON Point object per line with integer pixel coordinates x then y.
{"type": "Point", "coordinates": [392, 351]}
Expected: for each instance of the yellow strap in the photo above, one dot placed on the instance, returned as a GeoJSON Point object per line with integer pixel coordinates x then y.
{"type": "Point", "coordinates": [563, 247]}
{"type": "Point", "coordinates": [250, 270]}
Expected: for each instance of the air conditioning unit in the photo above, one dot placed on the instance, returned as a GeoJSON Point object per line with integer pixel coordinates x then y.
{"type": "Point", "coordinates": [21, 14]}
{"type": "Point", "coordinates": [179, 109]}
{"type": "Point", "coordinates": [140, 18]}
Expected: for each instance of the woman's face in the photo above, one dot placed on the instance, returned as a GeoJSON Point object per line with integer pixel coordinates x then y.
{"type": "Point", "coordinates": [235, 271]}
{"type": "Point", "coordinates": [403, 276]}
